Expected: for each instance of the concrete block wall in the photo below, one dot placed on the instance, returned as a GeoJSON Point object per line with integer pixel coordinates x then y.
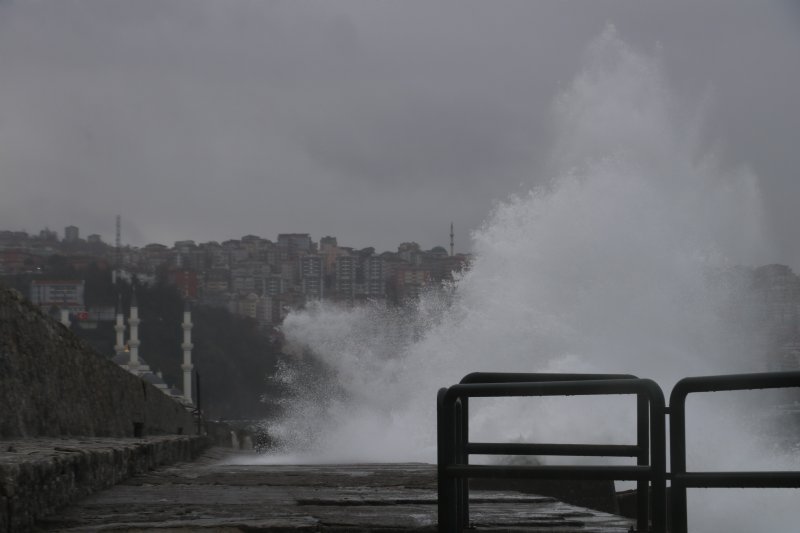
{"type": "Point", "coordinates": [53, 384]}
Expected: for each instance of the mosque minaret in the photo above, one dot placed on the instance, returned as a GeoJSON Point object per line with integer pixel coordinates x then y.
{"type": "Point", "coordinates": [128, 356]}
{"type": "Point", "coordinates": [119, 327]}
{"type": "Point", "coordinates": [187, 353]}
{"type": "Point", "coordinates": [133, 322]}
{"type": "Point", "coordinates": [65, 317]}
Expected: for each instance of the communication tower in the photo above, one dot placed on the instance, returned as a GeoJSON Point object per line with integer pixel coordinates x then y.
{"type": "Point", "coordinates": [451, 240]}
{"type": "Point", "coordinates": [118, 250]}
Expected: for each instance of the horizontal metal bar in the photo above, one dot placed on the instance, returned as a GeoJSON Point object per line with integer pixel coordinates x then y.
{"type": "Point", "coordinates": [731, 382]}
{"type": "Point", "coordinates": [765, 479]}
{"type": "Point", "coordinates": [555, 388]}
{"type": "Point", "coordinates": [518, 377]}
{"type": "Point", "coordinates": [550, 472]}
{"type": "Point", "coordinates": [589, 450]}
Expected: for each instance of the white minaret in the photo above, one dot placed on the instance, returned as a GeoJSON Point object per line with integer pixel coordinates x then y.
{"type": "Point", "coordinates": [65, 317]}
{"type": "Point", "coordinates": [119, 327]}
{"type": "Point", "coordinates": [133, 322]}
{"type": "Point", "coordinates": [187, 353]}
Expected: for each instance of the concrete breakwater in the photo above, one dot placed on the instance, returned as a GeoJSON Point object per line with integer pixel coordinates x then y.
{"type": "Point", "coordinates": [39, 476]}
{"type": "Point", "coordinates": [234, 493]}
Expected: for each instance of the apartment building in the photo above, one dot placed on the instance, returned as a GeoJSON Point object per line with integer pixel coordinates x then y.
{"type": "Point", "coordinates": [311, 269]}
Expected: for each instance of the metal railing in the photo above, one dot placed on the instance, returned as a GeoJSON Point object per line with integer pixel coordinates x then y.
{"type": "Point", "coordinates": [681, 479]}
{"type": "Point", "coordinates": [454, 446]}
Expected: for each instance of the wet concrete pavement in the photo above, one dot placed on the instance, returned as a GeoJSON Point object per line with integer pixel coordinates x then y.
{"type": "Point", "coordinates": [217, 494]}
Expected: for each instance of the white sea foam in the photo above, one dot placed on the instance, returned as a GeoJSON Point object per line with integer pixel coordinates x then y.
{"type": "Point", "coordinates": [614, 266]}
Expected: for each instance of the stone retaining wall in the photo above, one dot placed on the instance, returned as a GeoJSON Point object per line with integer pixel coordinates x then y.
{"type": "Point", "coordinates": [53, 384]}
{"type": "Point", "coordinates": [38, 476]}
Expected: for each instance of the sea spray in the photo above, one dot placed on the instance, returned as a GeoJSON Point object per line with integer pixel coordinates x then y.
{"type": "Point", "coordinates": [623, 262]}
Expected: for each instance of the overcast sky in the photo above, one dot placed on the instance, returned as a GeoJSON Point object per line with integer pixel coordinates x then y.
{"type": "Point", "coordinates": [375, 122]}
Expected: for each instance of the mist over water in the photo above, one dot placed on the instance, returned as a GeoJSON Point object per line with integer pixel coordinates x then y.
{"type": "Point", "coordinates": [622, 262]}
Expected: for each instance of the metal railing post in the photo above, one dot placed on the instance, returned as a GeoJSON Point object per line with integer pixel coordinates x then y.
{"type": "Point", "coordinates": [461, 439]}
{"type": "Point", "coordinates": [681, 479]}
{"type": "Point", "coordinates": [658, 459]}
{"type": "Point", "coordinates": [677, 459]}
{"type": "Point", "coordinates": [643, 442]}
{"type": "Point", "coordinates": [455, 447]}
{"type": "Point", "coordinates": [447, 504]}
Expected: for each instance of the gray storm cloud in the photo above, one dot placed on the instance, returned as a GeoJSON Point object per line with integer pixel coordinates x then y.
{"type": "Point", "coordinates": [375, 122]}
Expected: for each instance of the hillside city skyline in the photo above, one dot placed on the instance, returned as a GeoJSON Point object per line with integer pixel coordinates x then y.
{"type": "Point", "coordinates": [251, 276]}
{"type": "Point", "coordinates": [73, 233]}
{"type": "Point", "coordinates": [261, 280]}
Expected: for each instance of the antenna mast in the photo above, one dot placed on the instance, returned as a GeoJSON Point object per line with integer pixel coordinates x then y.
{"type": "Point", "coordinates": [118, 249]}
{"type": "Point", "coordinates": [451, 240]}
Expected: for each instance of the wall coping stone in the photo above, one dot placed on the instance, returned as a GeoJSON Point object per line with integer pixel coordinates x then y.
{"type": "Point", "coordinates": [38, 476]}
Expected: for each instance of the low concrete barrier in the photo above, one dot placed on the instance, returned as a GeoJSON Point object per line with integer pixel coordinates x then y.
{"type": "Point", "coordinates": [37, 476]}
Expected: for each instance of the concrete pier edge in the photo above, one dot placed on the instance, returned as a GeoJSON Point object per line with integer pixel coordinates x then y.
{"type": "Point", "coordinates": [38, 476]}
